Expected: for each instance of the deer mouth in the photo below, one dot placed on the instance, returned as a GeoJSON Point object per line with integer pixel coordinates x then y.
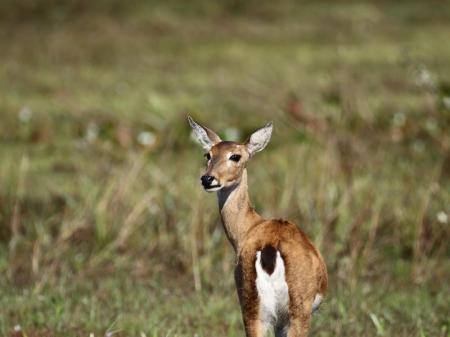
{"type": "Point", "coordinates": [213, 188]}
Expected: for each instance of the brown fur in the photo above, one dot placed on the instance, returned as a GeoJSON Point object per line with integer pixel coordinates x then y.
{"type": "Point", "coordinates": [248, 232]}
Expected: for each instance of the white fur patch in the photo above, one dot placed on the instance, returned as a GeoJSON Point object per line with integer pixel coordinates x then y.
{"type": "Point", "coordinates": [317, 301]}
{"type": "Point", "coordinates": [272, 291]}
{"type": "Point", "coordinates": [214, 189]}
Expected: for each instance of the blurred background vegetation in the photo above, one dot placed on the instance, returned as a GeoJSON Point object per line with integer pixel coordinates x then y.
{"type": "Point", "coordinates": [104, 227]}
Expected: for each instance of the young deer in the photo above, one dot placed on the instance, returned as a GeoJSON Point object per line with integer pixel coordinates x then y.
{"type": "Point", "coordinates": [280, 276]}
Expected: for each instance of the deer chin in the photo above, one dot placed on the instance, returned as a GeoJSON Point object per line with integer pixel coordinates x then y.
{"type": "Point", "coordinates": [213, 188]}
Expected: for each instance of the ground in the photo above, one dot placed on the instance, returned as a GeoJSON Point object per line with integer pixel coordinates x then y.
{"type": "Point", "coordinates": [104, 227]}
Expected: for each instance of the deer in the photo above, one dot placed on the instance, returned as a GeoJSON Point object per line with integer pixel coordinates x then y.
{"type": "Point", "coordinates": [280, 276]}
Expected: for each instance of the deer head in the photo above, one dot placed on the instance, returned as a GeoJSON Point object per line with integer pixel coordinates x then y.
{"type": "Point", "coordinates": [227, 160]}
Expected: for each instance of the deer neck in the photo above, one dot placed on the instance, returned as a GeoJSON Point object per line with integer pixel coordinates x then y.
{"type": "Point", "coordinates": [236, 211]}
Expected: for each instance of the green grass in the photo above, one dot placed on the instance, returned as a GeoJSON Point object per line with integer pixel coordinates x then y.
{"type": "Point", "coordinates": [102, 233]}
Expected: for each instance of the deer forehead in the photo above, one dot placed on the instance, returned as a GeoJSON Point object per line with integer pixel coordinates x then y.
{"type": "Point", "coordinates": [226, 148]}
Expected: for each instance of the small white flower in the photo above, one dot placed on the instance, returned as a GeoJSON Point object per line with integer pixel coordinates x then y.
{"type": "Point", "coordinates": [146, 138]}
{"type": "Point", "coordinates": [425, 78]}
{"type": "Point", "coordinates": [25, 114]}
{"type": "Point", "coordinates": [446, 101]}
{"type": "Point", "coordinates": [442, 217]}
{"type": "Point", "coordinates": [399, 118]}
{"type": "Point", "coordinates": [17, 328]}
{"type": "Point", "coordinates": [91, 133]}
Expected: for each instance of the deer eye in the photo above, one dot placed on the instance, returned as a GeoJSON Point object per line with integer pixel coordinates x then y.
{"type": "Point", "coordinates": [235, 157]}
{"type": "Point", "coordinates": [207, 156]}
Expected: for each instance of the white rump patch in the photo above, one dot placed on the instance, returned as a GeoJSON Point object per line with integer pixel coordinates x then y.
{"type": "Point", "coordinates": [317, 301]}
{"type": "Point", "coordinates": [272, 291]}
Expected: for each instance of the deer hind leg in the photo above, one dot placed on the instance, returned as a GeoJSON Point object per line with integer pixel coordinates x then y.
{"type": "Point", "coordinates": [300, 318]}
{"type": "Point", "coordinates": [254, 325]}
{"type": "Point", "coordinates": [245, 279]}
{"type": "Point", "coordinates": [255, 328]}
{"type": "Point", "coordinates": [300, 310]}
{"type": "Point", "coordinates": [299, 327]}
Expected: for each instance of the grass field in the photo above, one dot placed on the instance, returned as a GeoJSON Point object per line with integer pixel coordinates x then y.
{"type": "Point", "coordinates": [104, 227]}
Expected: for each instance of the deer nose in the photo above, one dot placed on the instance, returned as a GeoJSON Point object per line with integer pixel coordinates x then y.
{"type": "Point", "coordinates": [206, 180]}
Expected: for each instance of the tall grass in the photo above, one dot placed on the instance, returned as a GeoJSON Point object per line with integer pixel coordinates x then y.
{"type": "Point", "coordinates": [103, 223]}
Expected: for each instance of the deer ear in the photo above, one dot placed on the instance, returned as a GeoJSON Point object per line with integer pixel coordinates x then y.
{"type": "Point", "coordinates": [259, 139]}
{"type": "Point", "coordinates": [206, 137]}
